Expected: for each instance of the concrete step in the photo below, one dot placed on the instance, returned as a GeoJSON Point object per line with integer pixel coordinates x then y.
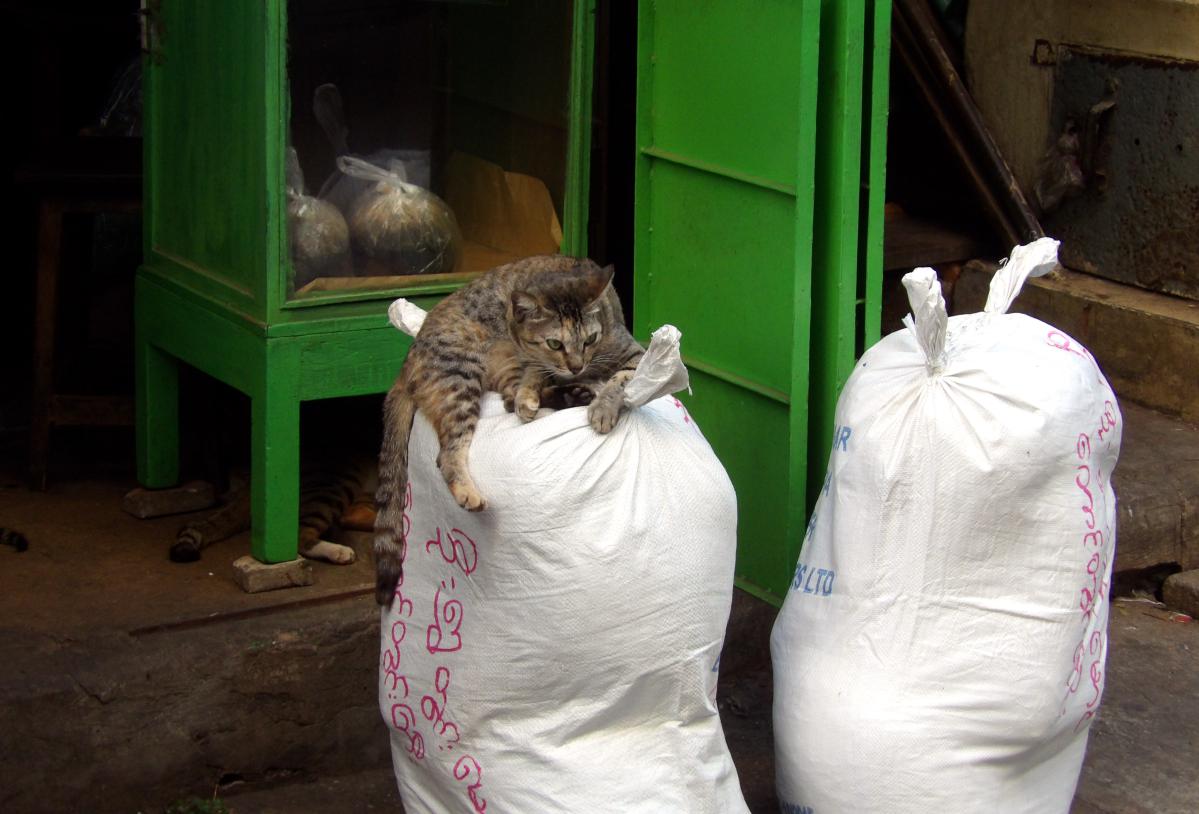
{"type": "Point", "coordinates": [112, 722]}
{"type": "Point", "coordinates": [1157, 486]}
{"type": "Point", "coordinates": [1138, 761]}
{"type": "Point", "coordinates": [1147, 343]}
{"type": "Point", "coordinates": [1148, 347]}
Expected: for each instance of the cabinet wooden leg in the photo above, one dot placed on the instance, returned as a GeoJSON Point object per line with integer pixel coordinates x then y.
{"type": "Point", "coordinates": [275, 468]}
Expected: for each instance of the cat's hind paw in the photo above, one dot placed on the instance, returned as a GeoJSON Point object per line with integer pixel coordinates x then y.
{"type": "Point", "coordinates": [331, 552]}
{"type": "Point", "coordinates": [468, 496]}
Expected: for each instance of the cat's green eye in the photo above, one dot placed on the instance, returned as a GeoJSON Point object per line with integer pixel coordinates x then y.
{"type": "Point", "coordinates": [554, 344]}
{"type": "Point", "coordinates": [591, 340]}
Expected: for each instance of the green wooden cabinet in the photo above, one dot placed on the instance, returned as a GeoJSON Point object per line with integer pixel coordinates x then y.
{"type": "Point", "coordinates": [759, 195]}
{"type": "Point", "coordinates": [228, 87]}
{"type": "Point", "coordinates": [760, 147]}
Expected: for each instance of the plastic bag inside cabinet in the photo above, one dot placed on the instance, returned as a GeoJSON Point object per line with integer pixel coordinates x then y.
{"type": "Point", "coordinates": [397, 227]}
{"type": "Point", "coordinates": [318, 234]}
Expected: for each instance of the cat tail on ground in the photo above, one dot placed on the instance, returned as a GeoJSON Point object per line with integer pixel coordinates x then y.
{"type": "Point", "coordinates": [197, 535]}
{"type": "Point", "coordinates": [399, 409]}
{"type": "Point", "coordinates": [14, 538]}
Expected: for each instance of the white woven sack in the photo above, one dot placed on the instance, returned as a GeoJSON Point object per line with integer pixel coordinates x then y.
{"type": "Point", "coordinates": [558, 652]}
{"type": "Point", "coordinates": [942, 645]}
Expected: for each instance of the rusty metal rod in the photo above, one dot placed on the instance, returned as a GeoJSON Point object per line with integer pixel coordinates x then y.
{"type": "Point", "coordinates": [920, 49]}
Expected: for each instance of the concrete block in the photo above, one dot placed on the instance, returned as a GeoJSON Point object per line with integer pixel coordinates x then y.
{"type": "Point", "coordinates": [190, 497]}
{"type": "Point", "coordinates": [1181, 592]}
{"type": "Point", "coordinates": [1157, 484]}
{"type": "Point", "coordinates": [254, 576]}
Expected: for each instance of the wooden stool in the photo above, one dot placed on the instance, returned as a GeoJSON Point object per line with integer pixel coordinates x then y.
{"type": "Point", "coordinates": [112, 184]}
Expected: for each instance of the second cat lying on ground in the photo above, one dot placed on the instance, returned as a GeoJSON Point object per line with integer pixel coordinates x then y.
{"type": "Point", "coordinates": [543, 330]}
{"type": "Point", "coordinates": [331, 494]}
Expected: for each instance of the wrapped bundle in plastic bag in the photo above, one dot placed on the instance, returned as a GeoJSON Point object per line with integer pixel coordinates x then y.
{"type": "Point", "coordinates": [318, 234]}
{"type": "Point", "coordinates": [558, 652]}
{"type": "Point", "coordinates": [397, 227]}
{"type": "Point", "coordinates": [343, 190]}
{"type": "Point", "coordinates": [942, 646]}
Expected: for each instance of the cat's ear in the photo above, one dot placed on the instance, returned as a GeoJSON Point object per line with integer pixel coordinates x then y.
{"type": "Point", "coordinates": [597, 282]}
{"type": "Point", "coordinates": [524, 305]}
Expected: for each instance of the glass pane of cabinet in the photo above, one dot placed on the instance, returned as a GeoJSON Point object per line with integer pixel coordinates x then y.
{"type": "Point", "coordinates": [428, 140]}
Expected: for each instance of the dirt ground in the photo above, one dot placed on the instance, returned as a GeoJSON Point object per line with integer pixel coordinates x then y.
{"type": "Point", "coordinates": [1140, 759]}
{"type": "Point", "coordinates": [92, 569]}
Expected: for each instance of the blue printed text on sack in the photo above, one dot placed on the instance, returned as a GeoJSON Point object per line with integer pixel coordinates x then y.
{"type": "Point", "coordinates": [841, 438]}
{"type": "Point", "coordinates": [795, 808]}
{"type": "Point", "coordinates": [816, 581]}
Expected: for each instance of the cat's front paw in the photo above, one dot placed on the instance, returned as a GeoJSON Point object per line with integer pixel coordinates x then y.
{"type": "Point", "coordinates": [604, 413]}
{"type": "Point", "coordinates": [527, 407]}
{"type": "Point", "coordinates": [468, 496]}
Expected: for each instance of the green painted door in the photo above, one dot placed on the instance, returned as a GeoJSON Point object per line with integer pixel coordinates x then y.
{"type": "Point", "coordinates": [760, 136]}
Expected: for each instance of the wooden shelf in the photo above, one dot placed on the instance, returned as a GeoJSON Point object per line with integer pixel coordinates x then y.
{"type": "Point", "coordinates": [909, 242]}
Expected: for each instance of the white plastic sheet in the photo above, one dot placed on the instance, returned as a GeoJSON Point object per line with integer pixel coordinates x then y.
{"type": "Point", "coordinates": [558, 652]}
{"type": "Point", "coordinates": [942, 645]}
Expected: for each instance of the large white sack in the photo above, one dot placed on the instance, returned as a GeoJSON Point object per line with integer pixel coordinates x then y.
{"type": "Point", "coordinates": [942, 646]}
{"type": "Point", "coordinates": [558, 652]}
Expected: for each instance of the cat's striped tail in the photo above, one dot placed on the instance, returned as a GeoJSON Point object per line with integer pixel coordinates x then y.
{"type": "Point", "coordinates": [398, 412]}
{"type": "Point", "coordinates": [13, 538]}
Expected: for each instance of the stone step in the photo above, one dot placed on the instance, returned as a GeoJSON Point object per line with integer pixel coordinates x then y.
{"type": "Point", "coordinates": [115, 722]}
{"type": "Point", "coordinates": [1157, 487]}
{"type": "Point", "coordinates": [1146, 343]}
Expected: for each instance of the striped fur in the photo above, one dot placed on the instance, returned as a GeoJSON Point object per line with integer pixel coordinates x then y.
{"type": "Point", "coordinates": [327, 493]}
{"type": "Point", "coordinates": [543, 331]}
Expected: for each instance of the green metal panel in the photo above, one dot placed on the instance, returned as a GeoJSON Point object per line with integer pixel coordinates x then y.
{"type": "Point", "coordinates": [719, 244]}
{"type": "Point", "coordinates": [725, 116]}
{"type": "Point", "coordinates": [835, 232]}
{"type": "Point", "coordinates": [850, 186]}
{"type": "Point", "coordinates": [876, 100]}
{"type": "Point", "coordinates": [758, 233]}
{"type": "Point", "coordinates": [578, 151]}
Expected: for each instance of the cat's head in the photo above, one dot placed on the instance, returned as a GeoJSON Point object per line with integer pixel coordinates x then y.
{"type": "Point", "coordinates": [557, 318]}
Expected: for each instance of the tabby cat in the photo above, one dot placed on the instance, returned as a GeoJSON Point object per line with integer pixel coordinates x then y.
{"type": "Point", "coordinates": [545, 330]}
{"type": "Point", "coordinates": [330, 495]}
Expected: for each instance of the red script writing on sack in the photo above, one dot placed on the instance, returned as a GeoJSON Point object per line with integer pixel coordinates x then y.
{"type": "Point", "coordinates": [1089, 652]}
